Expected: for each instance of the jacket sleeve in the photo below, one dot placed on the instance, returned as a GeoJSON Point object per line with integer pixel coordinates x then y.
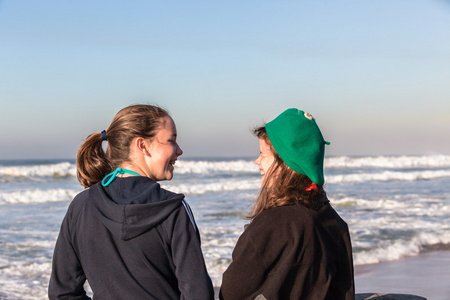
{"type": "Point", "coordinates": [67, 278]}
{"type": "Point", "coordinates": [248, 270]}
{"type": "Point", "coordinates": [193, 279]}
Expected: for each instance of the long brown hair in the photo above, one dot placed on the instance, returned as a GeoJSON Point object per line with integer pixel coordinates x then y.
{"type": "Point", "coordinates": [283, 186]}
{"type": "Point", "coordinates": [133, 121]}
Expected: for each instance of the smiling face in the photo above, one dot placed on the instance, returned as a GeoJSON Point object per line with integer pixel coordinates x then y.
{"type": "Point", "coordinates": [265, 159]}
{"type": "Point", "coordinates": [163, 151]}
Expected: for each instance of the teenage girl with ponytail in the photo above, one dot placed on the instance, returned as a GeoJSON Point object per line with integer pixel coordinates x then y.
{"type": "Point", "coordinates": [124, 234]}
{"type": "Point", "coordinates": [296, 246]}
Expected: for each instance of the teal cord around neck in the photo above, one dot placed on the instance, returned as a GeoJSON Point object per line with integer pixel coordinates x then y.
{"type": "Point", "coordinates": [115, 173]}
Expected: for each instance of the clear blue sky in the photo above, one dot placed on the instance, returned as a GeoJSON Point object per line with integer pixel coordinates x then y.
{"type": "Point", "coordinates": [374, 74]}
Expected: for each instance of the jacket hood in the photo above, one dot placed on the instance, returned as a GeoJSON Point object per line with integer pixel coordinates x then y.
{"type": "Point", "coordinates": [131, 206]}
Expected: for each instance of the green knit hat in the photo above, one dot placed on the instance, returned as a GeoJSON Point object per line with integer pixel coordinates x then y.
{"type": "Point", "coordinates": [296, 137]}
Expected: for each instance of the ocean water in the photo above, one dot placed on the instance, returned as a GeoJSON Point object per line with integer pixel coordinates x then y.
{"type": "Point", "coordinates": [395, 206]}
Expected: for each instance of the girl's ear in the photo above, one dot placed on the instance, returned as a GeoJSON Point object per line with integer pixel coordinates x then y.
{"type": "Point", "coordinates": [139, 143]}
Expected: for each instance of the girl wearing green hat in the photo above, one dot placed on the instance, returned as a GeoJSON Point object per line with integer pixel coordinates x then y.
{"type": "Point", "coordinates": [296, 246]}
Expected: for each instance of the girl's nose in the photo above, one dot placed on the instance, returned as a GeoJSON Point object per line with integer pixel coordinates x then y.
{"type": "Point", "coordinates": [179, 151]}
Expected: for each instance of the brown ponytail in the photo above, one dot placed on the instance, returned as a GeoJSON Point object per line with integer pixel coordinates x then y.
{"type": "Point", "coordinates": [93, 164]}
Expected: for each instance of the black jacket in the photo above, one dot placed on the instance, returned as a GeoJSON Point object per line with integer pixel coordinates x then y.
{"type": "Point", "coordinates": [292, 252]}
{"type": "Point", "coordinates": [130, 240]}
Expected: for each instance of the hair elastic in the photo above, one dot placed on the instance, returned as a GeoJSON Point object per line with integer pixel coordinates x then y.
{"type": "Point", "coordinates": [104, 135]}
{"type": "Point", "coordinates": [312, 187]}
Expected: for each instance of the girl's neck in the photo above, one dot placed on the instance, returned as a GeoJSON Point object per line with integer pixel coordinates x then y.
{"type": "Point", "coordinates": [131, 167]}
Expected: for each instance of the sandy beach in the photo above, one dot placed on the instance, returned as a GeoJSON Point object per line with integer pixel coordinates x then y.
{"type": "Point", "coordinates": [426, 275]}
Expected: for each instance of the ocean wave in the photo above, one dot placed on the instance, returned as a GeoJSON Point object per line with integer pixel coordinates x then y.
{"type": "Point", "coordinates": [413, 204]}
{"type": "Point", "coordinates": [216, 186]}
{"type": "Point", "coordinates": [20, 278]}
{"type": "Point", "coordinates": [369, 204]}
{"type": "Point", "coordinates": [37, 196]}
{"type": "Point", "coordinates": [388, 161]}
{"type": "Point", "coordinates": [66, 169]}
{"type": "Point", "coordinates": [208, 167]}
{"type": "Point", "coordinates": [338, 162]}
{"type": "Point", "coordinates": [203, 186]}
{"type": "Point", "coordinates": [388, 176]}
{"type": "Point", "coordinates": [62, 169]}
{"type": "Point", "coordinates": [255, 183]}
{"type": "Point", "coordinates": [400, 249]}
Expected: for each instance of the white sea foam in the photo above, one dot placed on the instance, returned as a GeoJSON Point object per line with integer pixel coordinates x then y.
{"type": "Point", "coordinates": [388, 176]}
{"type": "Point", "coordinates": [182, 167]}
{"type": "Point", "coordinates": [32, 244]}
{"type": "Point", "coordinates": [52, 170]}
{"type": "Point", "coordinates": [222, 185]}
{"type": "Point", "coordinates": [241, 166]}
{"type": "Point", "coordinates": [388, 161]}
{"type": "Point", "coordinates": [392, 252]}
{"type": "Point", "coordinates": [218, 243]}
{"type": "Point", "coordinates": [208, 167]}
{"type": "Point", "coordinates": [25, 280]}
{"type": "Point", "coordinates": [397, 162]}
{"type": "Point", "coordinates": [37, 196]}
{"type": "Point", "coordinates": [412, 204]}
{"type": "Point", "coordinates": [382, 203]}
{"type": "Point", "coordinates": [400, 249]}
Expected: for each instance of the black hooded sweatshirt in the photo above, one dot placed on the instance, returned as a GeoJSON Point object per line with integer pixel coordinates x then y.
{"type": "Point", "coordinates": [130, 240]}
{"type": "Point", "coordinates": [292, 252]}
